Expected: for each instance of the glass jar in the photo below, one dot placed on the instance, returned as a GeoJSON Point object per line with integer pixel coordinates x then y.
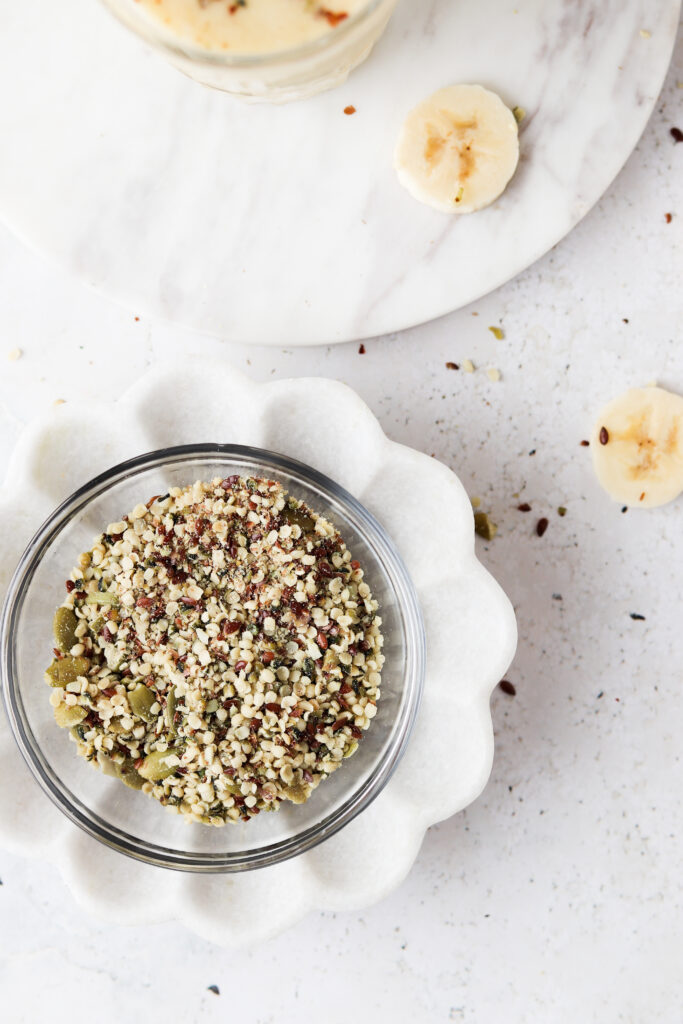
{"type": "Point", "coordinates": [277, 76]}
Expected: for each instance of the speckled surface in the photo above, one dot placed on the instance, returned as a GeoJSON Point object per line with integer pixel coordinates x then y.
{"type": "Point", "coordinates": [556, 897]}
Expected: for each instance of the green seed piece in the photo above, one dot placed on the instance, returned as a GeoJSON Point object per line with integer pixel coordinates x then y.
{"type": "Point", "coordinates": [351, 748]}
{"type": "Point", "coordinates": [497, 333]}
{"type": "Point", "coordinates": [103, 597]}
{"type": "Point", "coordinates": [297, 517]}
{"type": "Point", "coordinates": [128, 775]}
{"type": "Point", "coordinates": [64, 628]}
{"type": "Point", "coordinates": [520, 114]}
{"type": "Point", "coordinates": [297, 794]}
{"type": "Point", "coordinates": [67, 717]}
{"type": "Point", "coordinates": [96, 626]}
{"type": "Point", "coordinates": [483, 527]}
{"type": "Point", "coordinates": [67, 670]}
{"type": "Point", "coordinates": [561, 511]}
{"type": "Point", "coordinates": [169, 713]}
{"type": "Point", "coordinates": [141, 700]}
{"type": "Point", "coordinates": [211, 707]}
{"type": "Point", "coordinates": [154, 768]}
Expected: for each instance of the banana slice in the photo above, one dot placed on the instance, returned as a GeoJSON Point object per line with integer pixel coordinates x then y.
{"type": "Point", "coordinates": [637, 447]}
{"type": "Point", "coordinates": [458, 149]}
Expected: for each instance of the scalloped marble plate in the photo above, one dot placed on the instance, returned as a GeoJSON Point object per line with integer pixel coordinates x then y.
{"type": "Point", "coordinates": [470, 628]}
{"type": "Point", "coordinates": [287, 225]}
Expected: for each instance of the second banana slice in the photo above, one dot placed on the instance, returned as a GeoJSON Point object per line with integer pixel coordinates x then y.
{"type": "Point", "coordinates": [458, 150]}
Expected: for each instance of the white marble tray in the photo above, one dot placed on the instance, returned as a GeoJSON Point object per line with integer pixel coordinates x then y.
{"type": "Point", "coordinates": [287, 225]}
{"type": "Point", "coordinates": [470, 627]}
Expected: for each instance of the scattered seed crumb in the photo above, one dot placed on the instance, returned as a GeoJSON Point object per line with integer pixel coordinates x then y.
{"type": "Point", "coordinates": [676, 134]}
{"type": "Point", "coordinates": [524, 507]}
{"type": "Point", "coordinates": [600, 695]}
{"type": "Point", "coordinates": [520, 114]}
{"type": "Point", "coordinates": [497, 332]}
{"type": "Point", "coordinates": [361, 349]}
{"type": "Point", "coordinates": [557, 597]}
{"type": "Point", "coordinates": [59, 401]}
{"type": "Point", "coordinates": [15, 354]}
{"type": "Point", "coordinates": [624, 320]}
{"type": "Point", "coordinates": [349, 110]}
{"type": "Point", "coordinates": [625, 509]}
{"type": "Point", "coordinates": [452, 366]}
{"type": "Point", "coordinates": [668, 217]}
{"type": "Point", "coordinates": [483, 527]}
{"type": "Point", "coordinates": [507, 687]}
{"type": "Point", "coordinates": [468, 366]}
{"type": "Point", "coordinates": [541, 526]}
{"type": "Point", "coordinates": [637, 618]}
{"type": "Point", "coordinates": [476, 502]}
{"type": "Point", "coordinates": [604, 435]}
{"type": "Point", "coordinates": [213, 988]}
{"type": "Point", "coordinates": [137, 319]}
{"type": "Point", "coordinates": [585, 444]}
{"type": "Point", "coordinates": [644, 34]}
{"type": "Point", "coordinates": [562, 511]}
{"type": "Point", "coordinates": [532, 452]}
{"type": "Point", "coordinates": [493, 374]}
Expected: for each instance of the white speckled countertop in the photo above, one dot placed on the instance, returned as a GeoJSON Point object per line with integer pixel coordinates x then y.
{"type": "Point", "coordinates": [557, 896]}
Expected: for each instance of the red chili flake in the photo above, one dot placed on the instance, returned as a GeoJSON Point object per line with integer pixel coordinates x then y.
{"type": "Point", "coordinates": [80, 594]}
{"type": "Point", "coordinates": [333, 18]}
{"type": "Point", "coordinates": [349, 110]}
{"type": "Point", "coordinates": [106, 635]}
{"type": "Point", "coordinates": [191, 602]}
{"type": "Point", "coordinates": [676, 134]}
{"type": "Point", "coordinates": [604, 435]}
{"type": "Point", "coordinates": [294, 713]}
{"type": "Point", "coordinates": [57, 653]}
{"type": "Point", "coordinates": [229, 482]}
{"type": "Point", "coordinates": [109, 692]}
{"type": "Point", "coordinates": [356, 732]}
{"type": "Point", "coordinates": [240, 665]}
{"type": "Point", "coordinates": [267, 657]}
{"type": "Point", "coordinates": [668, 217]}
{"type": "Point", "coordinates": [585, 444]}
{"type": "Point", "coordinates": [339, 724]}
{"type": "Point", "coordinates": [307, 776]}
{"type": "Point", "coordinates": [355, 564]}
{"type": "Point", "coordinates": [69, 586]}
{"type": "Point", "coordinates": [144, 602]}
{"type": "Point", "coordinates": [322, 641]}
{"type": "Point", "coordinates": [345, 688]}
{"type": "Point", "coordinates": [524, 507]}
{"type": "Point", "coordinates": [361, 349]}
{"type": "Point", "coordinates": [275, 708]}
{"type": "Point", "coordinates": [507, 687]}
{"type": "Point", "coordinates": [541, 526]}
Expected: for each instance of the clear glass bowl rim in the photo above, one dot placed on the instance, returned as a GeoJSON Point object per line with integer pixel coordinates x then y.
{"type": "Point", "coordinates": [293, 55]}
{"type": "Point", "coordinates": [228, 862]}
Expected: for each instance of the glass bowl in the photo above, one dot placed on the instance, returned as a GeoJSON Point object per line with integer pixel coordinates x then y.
{"type": "Point", "coordinates": [275, 76]}
{"type": "Point", "coordinates": [129, 821]}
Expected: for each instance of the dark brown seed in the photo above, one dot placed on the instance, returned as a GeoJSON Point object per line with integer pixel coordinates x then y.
{"type": "Point", "coordinates": [637, 618]}
{"type": "Point", "coordinates": [584, 444]}
{"type": "Point", "coordinates": [70, 585]}
{"type": "Point", "coordinates": [452, 366]}
{"type": "Point", "coordinates": [524, 507]}
{"type": "Point", "coordinates": [541, 526]}
{"type": "Point", "coordinates": [507, 687]}
{"type": "Point", "coordinates": [676, 134]}
{"type": "Point", "coordinates": [668, 217]}
{"type": "Point", "coordinates": [604, 435]}
{"type": "Point", "coordinates": [361, 349]}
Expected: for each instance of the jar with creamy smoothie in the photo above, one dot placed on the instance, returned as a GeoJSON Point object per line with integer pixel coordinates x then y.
{"type": "Point", "coordinates": [273, 50]}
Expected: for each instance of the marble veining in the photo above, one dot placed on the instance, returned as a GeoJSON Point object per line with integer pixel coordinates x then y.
{"type": "Point", "coordinates": [287, 224]}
